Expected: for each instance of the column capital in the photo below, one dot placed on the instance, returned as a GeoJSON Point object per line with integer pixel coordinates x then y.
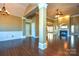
{"type": "Point", "coordinates": [42, 5]}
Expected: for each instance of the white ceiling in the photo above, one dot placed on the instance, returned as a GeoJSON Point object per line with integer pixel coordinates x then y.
{"type": "Point", "coordinates": [66, 8]}
{"type": "Point", "coordinates": [16, 9]}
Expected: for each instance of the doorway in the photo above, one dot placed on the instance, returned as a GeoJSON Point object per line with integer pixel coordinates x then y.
{"type": "Point", "coordinates": [28, 29]}
{"type": "Point", "coordinates": [74, 23]}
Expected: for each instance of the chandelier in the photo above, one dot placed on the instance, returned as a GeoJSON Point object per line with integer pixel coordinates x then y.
{"type": "Point", "coordinates": [3, 11]}
{"type": "Point", "coordinates": [58, 13]}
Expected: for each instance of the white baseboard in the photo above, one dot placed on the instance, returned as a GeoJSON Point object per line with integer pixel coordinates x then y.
{"type": "Point", "coordinates": [42, 46]}
{"type": "Point", "coordinates": [34, 36]}
{"type": "Point", "coordinates": [28, 36]}
{"type": "Point", "coordinates": [23, 37]}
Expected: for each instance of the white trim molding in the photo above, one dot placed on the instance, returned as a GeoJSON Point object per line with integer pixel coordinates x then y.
{"type": "Point", "coordinates": [42, 5]}
{"type": "Point", "coordinates": [76, 15]}
{"type": "Point", "coordinates": [42, 46]}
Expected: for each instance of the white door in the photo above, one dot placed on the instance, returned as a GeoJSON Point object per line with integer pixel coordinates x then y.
{"type": "Point", "coordinates": [33, 29]}
{"type": "Point", "coordinates": [28, 30]}
{"type": "Point", "coordinates": [50, 33]}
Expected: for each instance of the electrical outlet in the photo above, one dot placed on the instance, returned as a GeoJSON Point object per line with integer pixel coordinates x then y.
{"type": "Point", "coordinates": [12, 35]}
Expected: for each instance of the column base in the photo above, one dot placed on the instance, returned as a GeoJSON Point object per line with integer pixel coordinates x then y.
{"type": "Point", "coordinates": [42, 46]}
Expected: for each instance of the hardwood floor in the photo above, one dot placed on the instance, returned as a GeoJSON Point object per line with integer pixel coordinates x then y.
{"type": "Point", "coordinates": [25, 47]}
{"type": "Point", "coordinates": [29, 47]}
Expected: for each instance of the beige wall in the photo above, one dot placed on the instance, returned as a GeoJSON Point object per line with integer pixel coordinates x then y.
{"type": "Point", "coordinates": [10, 23]}
{"type": "Point", "coordinates": [37, 25]}
{"type": "Point", "coordinates": [75, 20]}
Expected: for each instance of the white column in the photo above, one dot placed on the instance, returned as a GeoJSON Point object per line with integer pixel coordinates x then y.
{"type": "Point", "coordinates": [42, 25]}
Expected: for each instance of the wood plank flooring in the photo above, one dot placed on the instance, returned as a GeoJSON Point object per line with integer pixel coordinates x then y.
{"type": "Point", "coordinates": [29, 47]}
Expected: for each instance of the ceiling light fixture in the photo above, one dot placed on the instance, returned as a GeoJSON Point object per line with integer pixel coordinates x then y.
{"type": "Point", "coordinates": [57, 16]}
{"type": "Point", "coordinates": [58, 13]}
{"type": "Point", "coordinates": [3, 11]}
